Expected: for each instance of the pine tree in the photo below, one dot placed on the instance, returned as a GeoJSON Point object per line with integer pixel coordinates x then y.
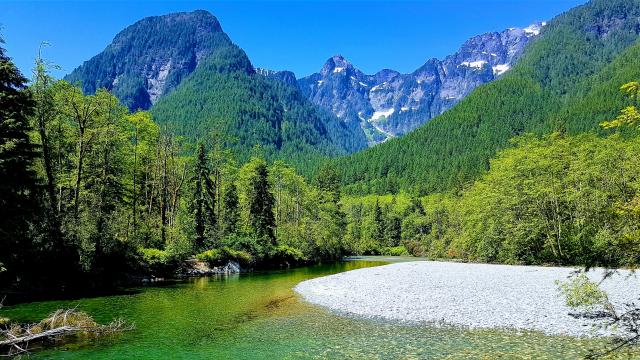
{"type": "Point", "coordinates": [203, 201]}
{"type": "Point", "coordinates": [393, 231]}
{"type": "Point", "coordinates": [378, 223]}
{"type": "Point", "coordinates": [328, 181]}
{"type": "Point", "coordinates": [261, 202]}
{"type": "Point", "coordinates": [230, 211]}
{"type": "Point", "coordinates": [18, 184]}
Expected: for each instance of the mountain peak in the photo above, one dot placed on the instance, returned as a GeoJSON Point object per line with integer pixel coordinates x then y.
{"type": "Point", "coordinates": [149, 58]}
{"type": "Point", "coordinates": [336, 64]}
{"type": "Point", "coordinates": [389, 103]}
{"type": "Point", "coordinates": [201, 19]}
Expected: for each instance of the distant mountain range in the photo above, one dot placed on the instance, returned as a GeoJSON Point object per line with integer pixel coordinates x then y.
{"type": "Point", "coordinates": [189, 74]}
{"type": "Point", "coordinates": [389, 104]}
{"type": "Point", "coordinates": [567, 81]}
{"type": "Point", "coordinates": [150, 59]}
{"type": "Point", "coordinates": [562, 76]}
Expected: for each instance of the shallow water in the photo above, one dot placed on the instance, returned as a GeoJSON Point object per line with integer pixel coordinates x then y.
{"type": "Point", "coordinates": [257, 316]}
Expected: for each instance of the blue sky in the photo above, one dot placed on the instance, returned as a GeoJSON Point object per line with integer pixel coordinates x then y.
{"type": "Point", "coordinates": [292, 35]}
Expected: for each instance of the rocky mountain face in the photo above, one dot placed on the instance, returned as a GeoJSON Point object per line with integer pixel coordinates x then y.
{"type": "Point", "coordinates": [287, 77]}
{"type": "Point", "coordinates": [389, 104]}
{"type": "Point", "coordinates": [151, 57]}
{"type": "Point", "coordinates": [195, 81]}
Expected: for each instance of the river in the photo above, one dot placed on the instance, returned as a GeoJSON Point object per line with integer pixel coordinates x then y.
{"type": "Point", "coordinates": [259, 316]}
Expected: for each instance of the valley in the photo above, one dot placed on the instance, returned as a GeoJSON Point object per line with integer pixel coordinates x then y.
{"type": "Point", "coordinates": [482, 205]}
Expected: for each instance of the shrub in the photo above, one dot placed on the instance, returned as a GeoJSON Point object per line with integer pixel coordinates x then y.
{"type": "Point", "coordinates": [158, 262]}
{"type": "Point", "coordinates": [220, 257]}
{"type": "Point", "coordinates": [241, 243]}
{"type": "Point", "coordinates": [394, 251]}
{"type": "Point", "coordinates": [580, 292]}
{"type": "Point", "coordinates": [283, 255]}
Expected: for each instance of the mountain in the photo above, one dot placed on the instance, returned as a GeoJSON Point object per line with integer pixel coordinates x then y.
{"type": "Point", "coordinates": [566, 81]}
{"type": "Point", "coordinates": [388, 103]}
{"type": "Point", "coordinates": [151, 57]}
{"type": "Point", "coordinates": [196, 81]}
{"type": "Point", "coordinates": [286, 77]}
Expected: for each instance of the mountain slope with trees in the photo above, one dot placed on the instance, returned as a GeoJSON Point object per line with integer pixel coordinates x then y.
{"type": "Point", "coordinates": [196, 82]}
{"type": "Point", "coordinates": [225, 97]}
{"type": "Point", "coordinates": [151, 57]}
{"type": "Point", "coordinates": [570, 63]}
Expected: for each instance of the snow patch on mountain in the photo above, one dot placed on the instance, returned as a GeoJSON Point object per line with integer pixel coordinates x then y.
{"type": "Point", "coordinates": [382, 113]}
{"type": "Point", "coordinates": [501, 69]}
{"type": "Point", "coordinates": [474, 64]}
{"type": "Point", "coordinates": [407, 101]}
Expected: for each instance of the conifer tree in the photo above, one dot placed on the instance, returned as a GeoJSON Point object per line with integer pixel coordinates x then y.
{"type": "Point", "coordinates": [18, 184]}
{"type": "Point", "coordinates": [378, 223]}
{"type": "Point", "coordinates": [261, 202]}
{"type": "Point", "coordinates": [203, 201]}
{"type": "Point", "coordinates": [230, 211]}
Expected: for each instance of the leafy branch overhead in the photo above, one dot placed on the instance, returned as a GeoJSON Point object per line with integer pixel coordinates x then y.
{"type": "Point", "coordinates": [629, 116]}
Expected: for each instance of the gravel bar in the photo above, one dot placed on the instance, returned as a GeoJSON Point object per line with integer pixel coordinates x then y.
{"type": "Point", "coordinates": [468, 295]}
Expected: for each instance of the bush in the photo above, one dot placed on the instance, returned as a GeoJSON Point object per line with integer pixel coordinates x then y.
{"type": "Point", "coordinates": [283, 255]}
{"type": "Point", "coordinates": [220, 257]}
{"type": "Point", "coordinates": [246, 244]}
{"type": "Point", "coordinates": [394, 251]}
{"type": "Point", "coordinates": [158, 262]}
{"type": "Point", "coordinates": [580, 292]}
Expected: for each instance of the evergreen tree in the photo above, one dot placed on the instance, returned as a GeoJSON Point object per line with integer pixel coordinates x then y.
{"type": "Point", "coordinates": [393, 231]}
{"type": "Point", "coordinates": [331, 219]}
{"type": "Point", "coordinates": [18, 184]}
{"type": "Point", "coordinates": [378, 223]}
{"type": "Point", "coordinates": [230, 211]}
{"type": "Point", "coordinates": [328, 181]}
{"type": "Point", "coordinates": [261, 202]}
{"type": "Point", "coordinates": [203, 201]}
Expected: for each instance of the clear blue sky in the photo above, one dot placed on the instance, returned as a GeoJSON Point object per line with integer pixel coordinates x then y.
{"type": "Point", "coordinates": [292, 35]}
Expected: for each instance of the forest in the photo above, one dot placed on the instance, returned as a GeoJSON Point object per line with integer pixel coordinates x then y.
{"type": "Point", "coordinates": [566, 81]}
{"type": "Point", "coordinates": [95, 195]}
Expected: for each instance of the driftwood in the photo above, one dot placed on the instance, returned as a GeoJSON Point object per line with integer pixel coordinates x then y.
{"type": "Point", "coordinates": [16, 339]}
{"type": "Point", "coordinates": [63, 330]}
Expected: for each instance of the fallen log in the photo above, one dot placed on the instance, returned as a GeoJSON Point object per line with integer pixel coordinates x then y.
{"type": "Point", "coordinates": [63, 330]}
{"type": "Point", "coordinates": [59, 324]}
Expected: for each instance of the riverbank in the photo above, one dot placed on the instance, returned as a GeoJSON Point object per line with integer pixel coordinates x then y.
{"type": "Point", "coordinates": [467, 295]}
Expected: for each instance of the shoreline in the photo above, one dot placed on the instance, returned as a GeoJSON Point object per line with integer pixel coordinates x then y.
{"type": "Point", "coordinates": [469, 295]}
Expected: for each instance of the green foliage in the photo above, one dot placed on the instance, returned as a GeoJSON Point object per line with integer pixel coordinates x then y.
{"type": "Point", "coordinates": [566, 81]}
{"type": "Point", "coordinates": [283, 255]}
{"type": "Point", "coordinates": [260, 203]}
{"type": "Point", "coordinates": [158, 262]}
{"type": "Point", "coordinates": [19, 206]}
{"type": "Point", "coordinates": [629, 116]}
{"type": "Point", "coordinates": [554, 199]}
{"type": "Point", "coordinates": [394, 251]}
{"type": "Point", "coordinates": [203, 201]}
{"type": "Point", "coordinates": [221, 256]}
{"type": "Point", "coordinates": [230, 216]}
{"type": "Point", "coordinates": [581, 293]}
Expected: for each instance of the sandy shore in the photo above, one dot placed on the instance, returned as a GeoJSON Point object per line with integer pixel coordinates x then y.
{"type": "Point", "coordinates": [469, 295]}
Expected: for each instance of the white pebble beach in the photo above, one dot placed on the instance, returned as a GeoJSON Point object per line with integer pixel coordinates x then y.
{"type": "Point", "coordinates": [467, 295]}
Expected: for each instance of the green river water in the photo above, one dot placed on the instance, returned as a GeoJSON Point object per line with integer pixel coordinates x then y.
{"type": "Point", "coordinates": [259, 316]}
